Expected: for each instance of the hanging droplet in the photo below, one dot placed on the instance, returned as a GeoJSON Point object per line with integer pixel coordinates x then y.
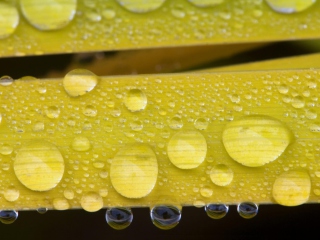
{"type": "Point", "coordinates": [247, 210]}
{"type": "Point", "coordinates": [216, 211]}
{"type": "Point", "coordinates": [9, 19]}
{"type": "Point", "coordinates": [42, 210]}
{"type": "Point", "coordinates": [119, 218]}
{"type": "Point", "coordinates": [141, 6]}
{"type": "Point", "coordinates": [48, 14]}
{"type": "Point", "coordinates": [8, 216]}
{"type": "Point", "coordinates": [79, 82]}
{"type": "Point", "coordinates": [135, 100]}
{"type": "Point", "coordinates": [165, 217]}
{"type": "Point", "coordinates": [91, 202]}
{"type": "Point", "coordinates": [290, 6]}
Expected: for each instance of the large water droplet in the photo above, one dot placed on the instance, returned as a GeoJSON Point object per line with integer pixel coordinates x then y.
{"type": "Point", "coordinates": [11, 194]}
{"type": "Point", "coordinates": [91, 202]}
{"type": "Point", "coordinates": [187, 149]}
{"type": "Point", "coordinates": [256, 140]}
{"type": "Point", "coordinates": [141, 6]}
{"type": "Point", "coordinates": [165, 217]}
{"type": "Point", "coordinates": [221, 175]}
{"type": "Point", "coordinates": [39, 165]}
{"type": "Point", "coordinates": [81, 144]}
{"type": "Point", "coordinates": [48, 14]}
{"type": "Point", "coordinates": [119, 218]}
{"type": "Point", "coordinates": [79, 82]}
{"type": "Point", "coordinates": [290, 6]}
{"type": "Point", "coordinates": [9, 19]}
{"type": "Point", "coordinates": [6, 80]}
{"type": "Point", "coordinates": [135, 100]}
{"type": "Point", "coordinates": [247, 210]}
{"type": "Point", "coordinates": [216, 211]}
{"type": "Point", "coordinates": [206, 3]}
{"type": "Point", "coordinates": [134, 171]}
{"type": "Point", "coordinates": [292, 188]}
{"type": "Point", "coordinates": [8, 216]}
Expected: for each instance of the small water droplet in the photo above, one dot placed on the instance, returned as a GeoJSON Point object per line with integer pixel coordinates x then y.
{"type": "Point", "coordinates": [187, 150]}
{"type": "Point", "coordinates": [119, 218]}
{"type": "Point", "coordinates": [298, 102]}
{"type": "Point", "coordinates": [11, 194]}
{"type": "Point", "coordinates": [39, 165]}
{"type": "Point", "coordinates": [206, 3]}
{"type": "Point", "coordinates": [216, 211]}
{"type": "Point", "coordinates": [283, 89]}
{"type": "Point", "coordinates": [42, 210]}
{"type": "Point", "coordinates": [90, 111]}
{"type": "Point", "coordinates": [48, 14]}
{"type": "Point", "coordinates": [6, 81]}
{"type": "Point", "coordinates": [38, 127]}
{"type": "Point", "coordinates": [9, 18]}
{"type": "Point", "coordinates": [93, 16]}
{"type": "Point", "coordinates": [176, 123]}
{"type": "Point", "coordinates": [8, 216]}
{"type": "Point", "coordinates": [136, 125]}
{"type": "Point", "coordinates": [141, 6]}
{"type": "Point", "coordinates": [221, 175]}
{"type": "Point", "coordinates": [201, 124]}
{"type": "Point", "coordinates": [165, 216]}
{"type": "Point", "coordinates": [311, 114]}
{"type": "Point", "coordinates": [135, 100]}
{"type": "Point", "coordinates": [60, 204]}
{"type": "Point", "coordinates": [292, 188]}
{"type": "Point", "coordinates": [256, 140]}
{"type": "Point", "coordinates": [79, 82]}
{"type": "Point", "coordinates": [108, 13]}
{"type": "Point", "coordinates": [91, 202]}
{"type": "Point", "coordinates": [290, 6]}
{"type": "Point", "coordinates": [103, 192]}
{"type": "Point", "coordinates": [81, 144]}
{"type": "Point", "coordinates": [177, 11]}
{"type": "Point", "coordinates": [68, 193]}
{"type": "Point", "coordinates": [6, 149]}
{"type": "Point", "coordinates": [206, 192]}
{"type": "Point", "coordinates": [53, 112]}
{"type": "Point", "coordinates": [247, 210]}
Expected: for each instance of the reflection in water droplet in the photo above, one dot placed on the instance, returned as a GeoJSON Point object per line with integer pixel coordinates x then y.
{"type": "Point", "coordinates": [39, 165]}
{"type": "Point", "coordinates": [81, 144]}
{"type": "Point", "coordinates": [176, 123]}
{"type": "Point", "coordinates": [290, 6]}
{"type": "Point", "coordinates": [42, 210]}
{"type": "Point", "coordinates": [60, 204]}
{"type": "Point", "coordinates": [216, 211]}
{"type": "Point", "coordinates": [9, 19]}
{"type": "Point", "coordinates": [165, 217]}
{"type": "Point", "coordinates": [187, 149]}
{"type": "Point", "coordinates": [292, 188]}
{"type": "Point", "coordinates": [6, 80]}
{"type": "Point", "coordinates": [11, 194]}
{"type": "Point", "coordinates": [53, 112]}
{"type": "Point", "coordinates": [48, 14]}
{"type": "Point", "coordinates": [91, 202]}
{"type": "Point", "coordinates": [206, 3]}
{"type": "Point", "coordinates": [119, 218]}
{"type": "Point", "coordinates": [221, 175]}
{"type": "Point", "coordinates": [201, 124]}
{"type": "Point", "coordinates": [135, 100]}
{"type": "Point", "coordinates": [256, 140]}
{"type": "Point", "coordinates": [79, 82]}
{"type": "Point", "coordinates": [141, 6]}
{"type": "Point", "coordinates": [247, 210]}
{"type": "Point", "coordinates": [8, 216]}
{"type": "Point", "coordinates": [134, 171]}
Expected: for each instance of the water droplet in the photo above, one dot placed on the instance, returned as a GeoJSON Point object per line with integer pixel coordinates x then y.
{"type": "Point", "coordinates": [103, 192]}
{"type": "Point", "coordinates": [176, 123]}
{"type": "Point", "coordinates": [141, 6]}
{"type": "Point", "coordinates": [39, 165]}
{"type": "Point", "coordinates": [290, 6]}
{"type": "Point", "coordinates": [8, 216]}
{"type": "Point", "coordinates": [187, 149]}
{"type": "Point", "coordinates": [201, 124]}
{"type": "Point", "coordinates": [93, 16]}
{"type": "Point", "coordinates": [314, 127]}
{"type": "Point", "coordinates": [38, 127]}
{"type": "Point", "coordinates": [9, 19]}
{"type": "Point", "coordinates": [206, 3]}
{"type": "Point", "coordinates": [119, 218]}
{"type": "Point", "coordinates": [311, 114]}
{"type": "Point", "coordinates": [90, 111]}
{"type": "Point", "coordinates": [206, 192]}
{"type": "Point", "coordinates": [216, 211]}
{"type": "Point", "coordinates": [48, 14]}
{"type": "Point", "coordinates": [68, 193]}
{"type": "Point", "coordinates": [42, 210]}
{"type": "Point", "coordinates": [6, 81]}
{"type": "Point", "coordinates": [165, 217]}
{"type": "Point", "coordinates": [177, 11]}
{"type": "Point", "coordinates": [256, 140]}
{"type": "Point", "coordinates": [91, 202]}
{"type": "Point", "coordinates": [81, 144]}
{"type": "Point", "coordinates": [11, 194]}
{"type": "Point", "coordinates": [247, 210]}
{"type": "Point", "coordinates": [298, 102]}
{"type": "Point", "coordinates": [136, 125]}
{"type": "Point", "coordinates": [292, 188]}
{"type": "Point", "coordinates": [108, 13]}
{"type": "Point", "coordinates": [283, 89]}
{"type": "Point", "coordinates": [134, 171]}
{"type": "Point", "coordinates": [60, 204]}
{"type": "Point", "coordinates": [221, 175]}
{"type": "Point", "coordinates": [79, 82]}
{"type": "Point", "coordinates": [53, 112]}
{"type": "Point", "coordinates": [6, 149]}
{"type": "Point", "coordinates": [135, 100]}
